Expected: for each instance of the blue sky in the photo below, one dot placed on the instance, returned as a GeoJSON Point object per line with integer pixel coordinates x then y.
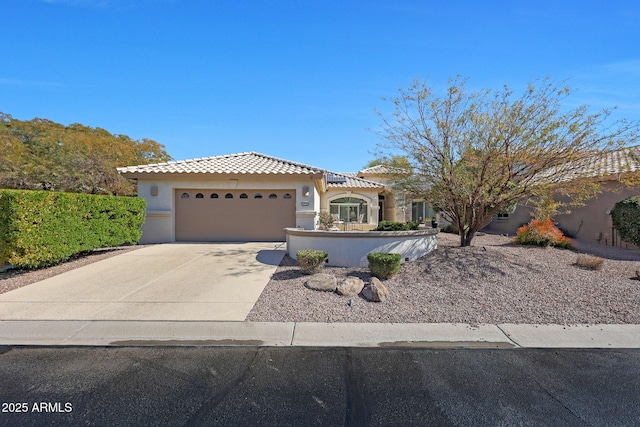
{"type": "Point", "coordinates": [296, 79]}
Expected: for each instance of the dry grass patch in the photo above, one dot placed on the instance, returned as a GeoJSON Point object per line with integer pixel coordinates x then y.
{"type": "Point", "coordinates": [589, 262]}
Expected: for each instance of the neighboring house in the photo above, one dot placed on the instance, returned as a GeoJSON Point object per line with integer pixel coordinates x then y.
{"type": "Point", "coordinates": [591, 222]}
{"type": "Point", "coordinates": [253, 197]}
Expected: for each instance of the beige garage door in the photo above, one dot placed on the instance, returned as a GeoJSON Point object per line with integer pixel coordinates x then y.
{"type": "Point", "coordinates": [234, 215]}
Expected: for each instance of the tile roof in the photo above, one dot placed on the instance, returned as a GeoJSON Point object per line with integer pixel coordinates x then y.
{"type": "Point", "coordinates": [614, 162]}
{"type": "Point", "coordinates": [382, 170]}
{"type": "Point", "coordinates": [608, 164]}
{"type": "Point", "coordinates": [247, 163]}
{"type": "Point", "coordinates": [351, 181]}
{"type": "Point", "coordinates": [240, 163]}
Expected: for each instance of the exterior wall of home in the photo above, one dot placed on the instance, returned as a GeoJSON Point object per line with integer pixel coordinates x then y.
{"type": "Point", "coordinates": [509, 225]}
{"type": "Point", "coordinates": [592, 222]}
{"type": "Point", "coordinates": [588, 223]}
{"type": "Point", "coordinates": [159, 226]}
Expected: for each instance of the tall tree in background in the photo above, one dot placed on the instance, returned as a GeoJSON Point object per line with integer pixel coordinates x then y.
{"type": "Point", "coordinates": [41, 154]}
{"type": "Point", "coordinates": [398, 162]}
{"type": "Point", "coordinates": [475, 154]}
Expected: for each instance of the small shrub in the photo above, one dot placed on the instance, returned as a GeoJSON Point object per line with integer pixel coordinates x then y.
{"type": "Point", "coordinates": [450, 228]}
{"type": "Point", "coordinates": [326, 220]}
{"type": "Point", "coordinates": [412, 226]}
{"type": "Point", "coordinates": [542, 233]}
{"type": "Point", "coordinates": [589, 262]}
{"type": "Point", "coordinates": [395, 226]}
{"type": "Point", "coordinates": [383, 265]}
{"type": "Point", "coordinates": [453, 228]}
{"type": "Point", "coordinates": [311, 261]}
{"type": "Point", "coordinates": [625, 217]}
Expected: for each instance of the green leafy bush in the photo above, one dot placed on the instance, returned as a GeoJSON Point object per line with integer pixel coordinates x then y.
{"type": "Point", "coordinates": [450, 228]}
{"type": "Point", "coordinates": [383, 265]}
{"type": "Point", "coordinates": [395, 226]}
{"type": "Point", "coordinates": [625, 217]}
{"type": "Point", "coordinates": [43, 228]}
{"type": "Point", "coordinates": [412, 226]}
{"type": "Point", "coordinates": [542, 233]}
{"type": "Point", "coordinates": [311, 261]}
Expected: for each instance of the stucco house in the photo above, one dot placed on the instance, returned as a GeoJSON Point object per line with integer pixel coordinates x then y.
{"type": "Point", "coordinates": [591, 222]}
{"type": "Point", "coordinates": [253, 197]}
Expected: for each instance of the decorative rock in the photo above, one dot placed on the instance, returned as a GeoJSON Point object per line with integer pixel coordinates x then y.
{"type": "Point", "coordinates": [350, 286]}
{"type": "Point", "coordinates": [322, 282]}
{"type": "Point", "coordinates": [376, 291]}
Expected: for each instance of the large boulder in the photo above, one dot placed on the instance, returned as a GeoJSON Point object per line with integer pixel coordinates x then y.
{"type": "Point", "coordinates": [376, 291]}
{"type": "Point", "coordinates": [350, 286]}
{"type": "Point", "coordinates": [322, 282]}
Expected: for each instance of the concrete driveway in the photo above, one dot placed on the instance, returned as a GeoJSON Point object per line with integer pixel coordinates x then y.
{"type": "Point", "coordinates": [181, 281]}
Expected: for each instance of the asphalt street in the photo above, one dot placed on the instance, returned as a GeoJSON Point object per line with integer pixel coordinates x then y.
{"type": "Point", "coordinates": [244, 386]}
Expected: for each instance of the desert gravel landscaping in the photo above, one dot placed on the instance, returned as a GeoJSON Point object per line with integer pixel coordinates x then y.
{"type": "Point", "coordinates": [493, 281]}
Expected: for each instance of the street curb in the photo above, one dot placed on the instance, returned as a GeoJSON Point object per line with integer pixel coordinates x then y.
{"type": "Point", "coordinates": [290, 334]}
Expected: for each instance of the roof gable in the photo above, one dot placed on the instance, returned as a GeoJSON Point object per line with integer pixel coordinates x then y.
{"type": "Point", "coordinates": [247, 163]}
{"type": "Point", "coordinates": [240, 163]}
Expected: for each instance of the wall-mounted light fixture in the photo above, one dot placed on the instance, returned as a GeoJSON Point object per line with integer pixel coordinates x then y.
{"type": "Point", "coordinates": [305, 191]}
{"type": "Point", "coordinates": [154, 190]}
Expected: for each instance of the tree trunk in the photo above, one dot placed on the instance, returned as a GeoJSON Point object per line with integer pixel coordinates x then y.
{"type": "Point", "coordinates": [466, 238]}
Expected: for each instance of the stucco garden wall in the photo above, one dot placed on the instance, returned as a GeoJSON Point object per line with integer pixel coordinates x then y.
{"type": "Point", "coordinates": [350, 249]}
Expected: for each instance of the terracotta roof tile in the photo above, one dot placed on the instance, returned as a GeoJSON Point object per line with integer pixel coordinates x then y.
{"type": "Point", "coordinates": [382, 170]}
{"type": "Point", "coordinates": [248, 163]}
{"type": "Point", "coordinates": [240, 163]}
{"type": "Point", "coordinates": [609, 163]}
{"type": "Point", "coordinates": [350, 180]}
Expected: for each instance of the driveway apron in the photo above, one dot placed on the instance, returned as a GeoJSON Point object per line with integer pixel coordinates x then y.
{"type": "Point", "coordinates": [173, 282]}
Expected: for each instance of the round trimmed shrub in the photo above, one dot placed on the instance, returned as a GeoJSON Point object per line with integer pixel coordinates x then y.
{"type": "Point", "coordinates": [625, 216]}
{"type": "Point", "coordinates": [384, 265]}
{"type": "Point", "coordinates": [311, 261]}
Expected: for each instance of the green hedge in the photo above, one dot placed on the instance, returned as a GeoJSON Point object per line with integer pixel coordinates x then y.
{"type": "Point", "coordinates": [625, 216]}
{"type": "Point", "coordinates": [383, 265]}
{"type": "Point", "coordinates": [43, 228]}
{"type": "Point", "coordinates": [396, 226]}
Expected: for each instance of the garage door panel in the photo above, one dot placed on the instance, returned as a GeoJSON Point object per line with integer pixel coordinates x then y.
{"type": "Point", "coordinates": [234, 219]}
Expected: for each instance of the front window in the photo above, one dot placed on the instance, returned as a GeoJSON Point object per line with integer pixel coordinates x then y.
{"type": "Point", "coordinates": [421, 212]}
{"type": "Point", "coordinates": [349, 209]}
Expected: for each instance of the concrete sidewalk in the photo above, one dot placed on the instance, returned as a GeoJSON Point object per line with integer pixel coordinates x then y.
{"type": "Point", "coordinates": [185, 333]}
